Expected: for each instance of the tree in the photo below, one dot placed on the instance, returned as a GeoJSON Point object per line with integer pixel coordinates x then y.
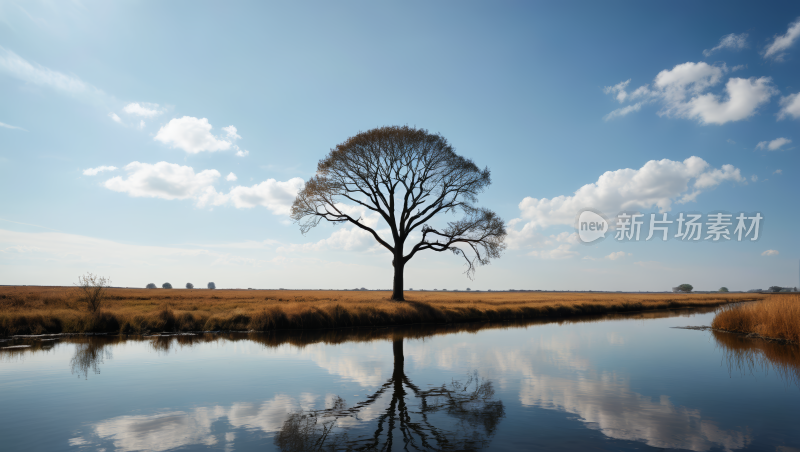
{"type": "Point", "coordinates": [723, 289]}
{"type": "Point", "coordinates": [151, 286]}
{"type": "Point", "coordinates": [93, 290]}
{"type": "Point", "coordinates": [685, 288]}
{"type": "Point", "coordinates": [211, 285]}
{"type": "Point", "coordinates": [407, 177]}
{"type": "Point", "coordinates": [189, 285]}
{"type": "Point", "coordinates": [775, 288]}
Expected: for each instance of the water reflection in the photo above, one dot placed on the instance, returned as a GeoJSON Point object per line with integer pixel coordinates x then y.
{"type": "Point", "coordinates": [748, 356]}
{"type": "Point", "coordinates": [407, 418]}
{"type": "Point", "coordinates": [544, 370]}
{"type": "Point", "coordinates": [89, 354]}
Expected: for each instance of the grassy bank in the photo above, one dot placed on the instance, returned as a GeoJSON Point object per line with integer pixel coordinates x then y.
{"type": "Point", "coordinates": [777, 317]}
{"type": "Point", "coordinates": [38, 310]}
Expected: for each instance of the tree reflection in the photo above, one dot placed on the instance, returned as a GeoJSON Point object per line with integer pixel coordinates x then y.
{"type": "Point", "coordinates": [88, 356]}
{"type": "Point", "coordinates": [473, 417]}
{"type": "Point", "coordinates": [748, 355]}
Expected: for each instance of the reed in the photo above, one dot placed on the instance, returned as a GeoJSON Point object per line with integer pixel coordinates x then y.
{"type": "Point", "coordinates": [38, 310]}
{"type": "Point", "coordinates": [777, 317]}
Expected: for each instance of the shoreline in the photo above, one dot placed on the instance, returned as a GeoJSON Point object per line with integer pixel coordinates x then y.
{"type": "Point", "coordinates": [140, 311]}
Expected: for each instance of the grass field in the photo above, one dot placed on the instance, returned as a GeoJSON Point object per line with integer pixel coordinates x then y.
{"type": "Point", "coordinates": [38, 310]}
{"type": "Point", "coordinates": [778, 317]}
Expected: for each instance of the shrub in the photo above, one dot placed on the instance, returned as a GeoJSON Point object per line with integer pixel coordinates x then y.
{"type": "Point", "coordinates": [93, 290]}
{"type": "Point", "coordinates": [166, 285]}
{"type": "Point", "coordinates": [151, 286]}
{"type": "Point", "coordinates": [189, 285]}
{"type": "Point", "coordinates": [211, 285]}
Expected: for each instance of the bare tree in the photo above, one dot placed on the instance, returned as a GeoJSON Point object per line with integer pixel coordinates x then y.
{"type": "Point", "coordinates": [407, 176]}
{"type": "Point", "coordinates": [92, 290]}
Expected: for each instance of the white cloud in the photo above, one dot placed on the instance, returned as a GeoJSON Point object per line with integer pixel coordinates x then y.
{"type": "Point", "coordinates": [99, 169]}
{"type": "Point", "coordinates": [754, 178]}
{"type": "Point", "coordinates": [777, 171]}
{"type": "Point", "coordinates": [738, 67]}
{"type": "Point", "coordinates": [172, 181]}
{"type": "Point", "coordinates": [563, 251]}
{"type": "Point", "coordinates": [35, 74]}
{"type": "Point", "coordinates": [744, 97]}
{"type": "Point", "coordinates": [730, 141]}
{"type": "Point", "coordinates": [657, 184]}
{"type": "Point", "coordinates": [790, 105]}
{"type": "Point", "coordinates": [731, 41]}
{"type": "Point", "coordinates": [770, 253]}
{"type": "Point", "coordinates": [274, 195]}
{"type": "Point", "coordinates": [115, 118]}
{"type": "Point", "coordinates": [619, 88]}
{"type": "Point", "coordinates": [773, 145]}
{"type": "Point", "coordinates": [9, 126]}
{"type": "Point", "coordinates": [624, 111]}
{"type": "Point", "coordinates": [167, 181]}
{"type": "Point", "coordinates": [682, 91]}
{"type": "Point", "coordinates": [141, 124]}
{"type": "Point", "coordinates": [193, 135]}
{"type": "Point", "coordinates": [144, 109]}
{"type": "Point", "coordinates": [618, 255]}
{"type": "Point", "coordinates": [777, 49]}
{"type": "Point", "coordinates": [241, 153]}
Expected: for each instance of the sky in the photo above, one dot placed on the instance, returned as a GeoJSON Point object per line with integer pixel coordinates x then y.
{"type": "Point", "coordinates": [154, 142]}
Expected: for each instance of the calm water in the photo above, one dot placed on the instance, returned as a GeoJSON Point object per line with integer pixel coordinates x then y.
{"type": "Point", "coordinates": [615, 383]}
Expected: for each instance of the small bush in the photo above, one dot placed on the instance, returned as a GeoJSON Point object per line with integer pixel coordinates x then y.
{"type": "Point", "coordinates": [211, 285]}
{"type": "Point", "coordinates": [151, 286]}
{"type": "Point", "coordinates": [166, 285]}
{"type": "Point", "coordinates": [93, 290]}
{"type": "Point", "coordinates": [189, 285]}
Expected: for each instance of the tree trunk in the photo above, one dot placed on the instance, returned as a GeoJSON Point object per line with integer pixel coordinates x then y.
{"type": "Point", "coordinates": [397, 287]}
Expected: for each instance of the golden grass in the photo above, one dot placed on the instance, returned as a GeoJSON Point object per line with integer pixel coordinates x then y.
{"type": "Point", "coordinates": [777, 317]}
{"type": "Point", "coordinates": [38, 310]}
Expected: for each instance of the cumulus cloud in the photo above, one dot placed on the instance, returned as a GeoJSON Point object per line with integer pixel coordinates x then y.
{"type": "Point", "coordinates": [770, 253]}
{"type": "Point", "coordinates": [16, 66]}
{"type": "Point", "coordinates": [790, 106]}
{"type": "Point", "coordinates": [115, 118]}
{"type": "Point", "coordinates": [194, 135]}
{"type": "Point", "coordinates": [657, 184]}
{"type": "Point", "coordinates": [777, 49]}
{"type": "Point", "coordinates": [167, 181]}
{"type": "Point", "coordinates": [618, 255]}
{"type": "Point", "coordinates": [275, 195]}
{"type": "Point", "coordinates": [241, 153]}
{"type": "Point", "coordinates": [773, 145]}
{"type": "Point", "coordinates": [99, 169]}
{"type": "Point", "coordinates": [683, 93]}
{"type": "Point", "coordinates": [172, 181]}
{"type": "Point", "coordinates": [731, 41]}
{"type": "Point", "coordinates": [144, 109]}
{"type": "Point", "coordinates": [563, 251]}
{"type": "Point", "coordinates": [9, 126]}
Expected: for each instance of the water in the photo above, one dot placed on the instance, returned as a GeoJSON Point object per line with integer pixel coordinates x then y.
{"type": "Point", "coordinates": [610, 383]}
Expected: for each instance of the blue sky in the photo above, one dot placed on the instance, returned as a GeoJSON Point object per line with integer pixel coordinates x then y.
{"type": "Point", "coordinates": [553, 98]}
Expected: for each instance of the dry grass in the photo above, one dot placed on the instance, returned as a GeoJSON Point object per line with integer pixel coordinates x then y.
{"type": "Point", "coordinates": [37, 310]}
{"type": "Point", "coordinates": [777, 317]}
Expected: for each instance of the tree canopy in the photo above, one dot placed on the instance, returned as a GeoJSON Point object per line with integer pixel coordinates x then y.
{"type": "Point", "coordinates": [406, 176]}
